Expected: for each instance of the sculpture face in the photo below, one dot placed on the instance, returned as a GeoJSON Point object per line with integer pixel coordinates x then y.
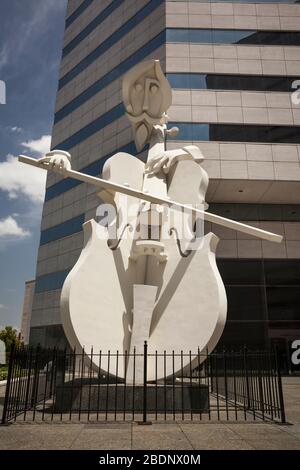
{"type": "Point", "coordinates": [147, 96]}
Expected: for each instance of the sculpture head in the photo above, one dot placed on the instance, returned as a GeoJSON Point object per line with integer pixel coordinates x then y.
{"type": "Point", "coordinates": [147, 96]}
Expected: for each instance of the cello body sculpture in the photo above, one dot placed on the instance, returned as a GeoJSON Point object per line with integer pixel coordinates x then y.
{"type": "Point", "coordinates": [138, 276]}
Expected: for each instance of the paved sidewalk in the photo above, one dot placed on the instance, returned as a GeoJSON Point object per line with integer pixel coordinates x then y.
{"type": "Point", "coordinates": [164, 436]}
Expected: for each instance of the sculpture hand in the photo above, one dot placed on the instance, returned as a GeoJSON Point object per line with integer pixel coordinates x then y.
{"type": "Point", "coordinates": [57, 159]}
{"type": "Point", "coordinates": [164, 161]}
{"type": "Point", "coordinates": [157, 164]}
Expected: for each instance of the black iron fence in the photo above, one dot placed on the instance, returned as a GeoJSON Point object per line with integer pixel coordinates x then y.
{"type": "Point", "coordinates": [99, 386]}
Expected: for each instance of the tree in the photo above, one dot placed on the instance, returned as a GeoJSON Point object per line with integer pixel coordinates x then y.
{"type": "Point", "coordinates": [9, 335]}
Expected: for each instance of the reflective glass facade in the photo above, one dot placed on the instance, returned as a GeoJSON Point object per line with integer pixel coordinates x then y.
{"type": "Point", "coordinates": [210, 81]}
{"type": "Point", "coordinates": [78, 11]}
{"type": "Point", "coordinates": [62, 230]}
{"type": "Point", "coordinates": [232, 36]}
{"type": "Point", "coordinates": [51, 336]}
{"type": "Point", "coordinates": [91, 26]}
{"type": "Point", "coordinates": [237, 133]}
{"type": "Point", "coordinates": [263, 303]}
{"type": "Point", "coordinates": [110, 41]}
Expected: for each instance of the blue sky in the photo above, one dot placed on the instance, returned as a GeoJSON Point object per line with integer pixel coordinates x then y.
{"type": "Point", "coordinates": [31, 34]}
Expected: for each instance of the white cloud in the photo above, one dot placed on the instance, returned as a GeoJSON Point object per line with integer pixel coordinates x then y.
{"type": "Point", "coordinates": [39, 146]}
{"type": "Point", "coordinates": [18, 179]}
{"type": "Point", "coordinates": [16, 129]}
{"type": "Point", "coordinates": [17, 41]}
{"type": "Point", "coordinates": [3, 56]}
{"type": "Point", "coordinates": [10, 228]}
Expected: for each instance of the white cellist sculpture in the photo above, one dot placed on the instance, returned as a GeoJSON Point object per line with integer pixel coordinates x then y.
{"type": "Point", "coordinates": [137, 277]}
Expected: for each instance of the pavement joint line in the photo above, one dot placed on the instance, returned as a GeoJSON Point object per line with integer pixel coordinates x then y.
{"type": "Point", "coordinates": [75, 438]}
{"type": "Point", "coordinates": [234, 431]}
{"type": "Point", "coordinates": [189, 441]}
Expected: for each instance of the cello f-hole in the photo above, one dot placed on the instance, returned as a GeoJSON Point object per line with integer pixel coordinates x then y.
{"type": "Point", "coordinates": [116, 246]}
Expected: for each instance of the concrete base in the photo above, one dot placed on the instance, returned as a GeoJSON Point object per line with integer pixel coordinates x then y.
{"type": "Point", "coordinates": [101, 397]}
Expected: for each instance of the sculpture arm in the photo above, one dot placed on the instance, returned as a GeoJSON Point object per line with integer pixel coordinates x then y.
{"type": "Point", "coordinates": [216, 219]}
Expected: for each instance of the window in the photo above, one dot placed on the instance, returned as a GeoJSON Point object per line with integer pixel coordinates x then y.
{"type": "Point", "coordinates": [236, 132]}
{"type": "Point", "coordinates": [62, 230]}
{"type": "Point", "coordinates": [245, 303]}
{"type": "Point", "coordinates": [284, 303]}
{"type": "Point", "coordinates": [240, 272]}
{"type": "Point", "coordinates": [203, 81]}
{"type": "Point", "coordinates": [266, 212]}
{"type": "Point", "coordinates": [232, 36]}
{"type": "Point", "coordinates": [282, 272]}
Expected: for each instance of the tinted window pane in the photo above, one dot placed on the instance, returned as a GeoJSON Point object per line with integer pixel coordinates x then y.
{"type": "Point", "coordinates": [291, 212]}
{"type": "Point", "coordinates": [232, 36]}
{"type": "Point", "coordinates": [52, 281]}
{"type": "Point", "coordinates": [264, 212]}
{"type": "Point", "coordinates": [178, 80]}
{"type": "Point", "coordinates": [62, 230]}
{"type": "Point", "coordinates": [282, 272]}
{"type": "Point", "coordinates": [227, 36]}
{"type": "Point", "coordinates": [238, 133]}
{"type": "Point", "coordinates": [235, 272]}
{"type": "Point", "coordinates": [177, 35]}
{"type": "Point", "coordinates": [236, 335]}
{"type": "Point", "coordinates": [270, 212]}
{"type": "Point", "coordinates": [230, 82]}
{"type": "Point", "coordinates": [236, 211]}
{"type": "Point", "coordinates": [283, 303]}
{"type": "Point", "coordinates": [48, 336]}
{"type": "Point", "coordinates": [245, 303]}
{"type": "Point", "coordinates": [199, 35]}
{"type": "Point", "coordinates": [198, 80]}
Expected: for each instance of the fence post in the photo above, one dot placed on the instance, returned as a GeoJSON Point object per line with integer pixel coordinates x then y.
{"type": "Point", "coordinates": [247, 377]}
{"type": "Point", "coordinates": [225, 382]}
{"type": "Point", "coordinates": [8, 383]}
{"type": "Point", "coordinates": [35, 377]}
{"type": "Point", "coordinates": [145, 382]}
{"type": "Point", "coordinates": [280, 391]}
{"type": "Point", "coordinates": [260, 387]}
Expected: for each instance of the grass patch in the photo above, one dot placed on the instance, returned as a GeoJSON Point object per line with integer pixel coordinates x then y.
{"type": "Point", "coordinates": [3, 372]}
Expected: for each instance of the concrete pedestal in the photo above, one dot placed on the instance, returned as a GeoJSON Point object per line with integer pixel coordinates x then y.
{"type": "Point", "coordinates": [184, 397]}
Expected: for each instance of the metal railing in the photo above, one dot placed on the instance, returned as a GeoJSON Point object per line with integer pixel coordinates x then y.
{"type": "Point", "coordinates": [52, 385]}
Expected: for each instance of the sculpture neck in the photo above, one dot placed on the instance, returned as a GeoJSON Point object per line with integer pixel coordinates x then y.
{"type": "Point", "coordinates": [157, 144]}
{"type": "Point", "coordinates": [156, 184]}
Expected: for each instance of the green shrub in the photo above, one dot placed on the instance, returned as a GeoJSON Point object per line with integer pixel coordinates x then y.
{"type": "Point", "coordinates": [3, 372]}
